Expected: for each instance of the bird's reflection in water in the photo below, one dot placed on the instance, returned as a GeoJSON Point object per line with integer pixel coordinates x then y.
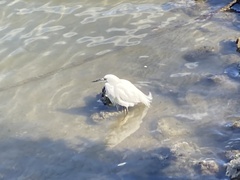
{"type": "Point", "coordinates": [126, 125]}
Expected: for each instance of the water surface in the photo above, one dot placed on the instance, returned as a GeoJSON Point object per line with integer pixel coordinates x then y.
{"type": "Point", "coordinates": [51, 123]}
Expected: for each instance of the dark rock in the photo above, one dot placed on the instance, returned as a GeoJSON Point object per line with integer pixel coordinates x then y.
{"type": "Point", "coordinates": [233, 6]}
{"type": "Point", "coordinates": [238, 45]}
{"type": "Point", "coordinates": [236, 7]}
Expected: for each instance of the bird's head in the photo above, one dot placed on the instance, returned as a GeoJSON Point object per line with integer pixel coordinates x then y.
{"type": "Point", "coordinates": [110, 78]}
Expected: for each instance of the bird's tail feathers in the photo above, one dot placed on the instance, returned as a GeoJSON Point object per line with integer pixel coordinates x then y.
{"type": "Point", "coordinates": [150, 96]}
{"type": "Point", "coordinates": [147, 99]}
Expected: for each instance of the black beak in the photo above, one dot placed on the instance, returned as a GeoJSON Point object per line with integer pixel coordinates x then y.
{"type": "Point", "coordinates": [99, 80]}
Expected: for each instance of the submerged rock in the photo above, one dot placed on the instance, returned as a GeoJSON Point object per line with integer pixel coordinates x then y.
{"type": "Point", "coordinates": [233, 71]}
{"type": "Point", "coordinates": [233, 169]}
{"type": "Point", "coordinates": [233, 122]}
{"type": "Point", "coordinates": [208, 167]}
{"type": "Point", "coordinates": [199, 54]}
{"type": "Point", "coordinates": [102, 115]}
{"type": "Point", "coordinates": [232, 154]}
{"type": "Point", "coordinates": [234, 125]}
{"type": "Point", "coordinates": [185, 149]}
{"type": "Point", "coordinates": [224, 81]}
{"type": "Point", "coordinates": [170, 127]}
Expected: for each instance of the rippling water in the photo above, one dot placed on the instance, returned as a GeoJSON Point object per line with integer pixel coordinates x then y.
{"type": "Point", "coordinates": [53, 127]}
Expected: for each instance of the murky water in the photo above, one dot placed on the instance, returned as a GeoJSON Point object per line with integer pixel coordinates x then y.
{"type": "Point", "coordinates": [51, 123]}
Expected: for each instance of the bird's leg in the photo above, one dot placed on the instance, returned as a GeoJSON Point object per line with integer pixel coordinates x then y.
{"type": "Point", "coordinates": [125, 110]}
{"type": "Point", "coordinates": [117, 106]}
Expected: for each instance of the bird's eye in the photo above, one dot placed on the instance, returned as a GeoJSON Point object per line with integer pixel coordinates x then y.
{"type": "Point", "coordinates": [104, 79]}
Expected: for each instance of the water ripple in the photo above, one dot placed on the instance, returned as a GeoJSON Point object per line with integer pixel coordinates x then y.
{"type": "Point", "coordinates": [31, 40]}
{"type": "Point", "coordinates": [3, 2]}
{"type": "Point", "coordinates": [129, 8]}
{"type": "Point", "coordinates": [28, 35]}
{"type": "Point", "coordinates": [116, 40]}
{"type": "Point", "coordinates": [58, 9]}
{"type": "Point", "coordinates": [9, 36]}
{"type": "Point", "coordinates": [116, 29]}
{"type": "Point", "coordinates": [127, 30]}
{"type": "Point", "coordinates": [60, 43]}
{"type": "Point", "coordinates": [17, 51]}
{"type": "Point", "coordinates": [42, 29]}
{"type": "Point", "coordinates": [49, 9]}
{"type": "Point", "coordinates": [136, 10]}
{"type": "Point", "coordinates": [103, 52]}
{"type": "Point", "coordinates": [13, 2]}
{"type": "Point", "coordinates": [50, 29]}
{"type": "Point", "coordinates": [4, 26]}
{"type": "Point", "coordinates": [93, 10]}
{"type": "Point", "coordinates": [69, 34]}
{"type": "Point", "coordinates": [24, 11]}
{"type": "Point", "coordinates": [3, 50]}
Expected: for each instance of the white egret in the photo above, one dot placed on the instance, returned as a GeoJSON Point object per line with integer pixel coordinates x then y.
{"type": "Point", "coordinates": [122, 92]}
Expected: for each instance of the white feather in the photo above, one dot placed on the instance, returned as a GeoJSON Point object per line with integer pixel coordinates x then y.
{"type": "Point", "coordinates": [123, 92]}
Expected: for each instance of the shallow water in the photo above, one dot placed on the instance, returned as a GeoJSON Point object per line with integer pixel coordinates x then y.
{"type": "Point", "coordinates": [51, 123]}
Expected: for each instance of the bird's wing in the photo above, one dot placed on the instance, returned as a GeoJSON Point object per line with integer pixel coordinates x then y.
{"type": "Point", "coordinates": [127, 92]}
{"type": "Point", "coordinates": [110, 92]}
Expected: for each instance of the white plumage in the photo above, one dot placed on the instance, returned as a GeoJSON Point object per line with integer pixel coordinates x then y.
{"type": "Point", "coordinates": [122, 92]}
